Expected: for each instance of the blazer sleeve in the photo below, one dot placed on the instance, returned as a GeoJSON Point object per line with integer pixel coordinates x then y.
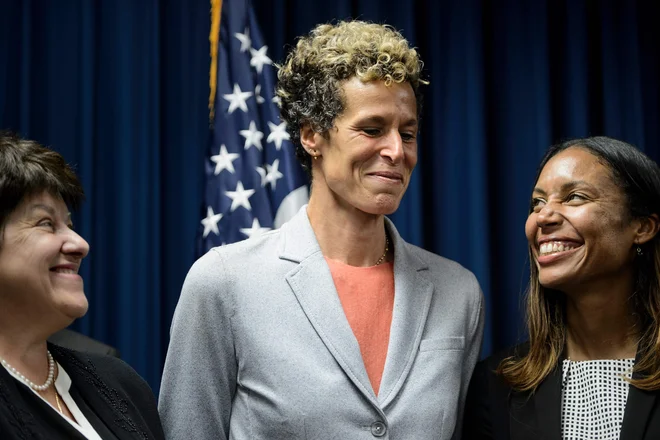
{"type": "Point", "coordinates": [478, 420]}
{"type": "Point", "coordinates": [199, 377]}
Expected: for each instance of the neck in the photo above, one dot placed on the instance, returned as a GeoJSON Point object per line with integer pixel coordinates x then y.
{"type": "Point", "coordinates": [600, 326]}
{"type": "Point", "coordinates": [27, 355]}
{"type": "Point", "coordinates": [348, 234]}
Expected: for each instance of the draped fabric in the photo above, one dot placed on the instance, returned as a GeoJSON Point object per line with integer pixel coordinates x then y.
{"type": "Point", "coordinates": [120, 88]}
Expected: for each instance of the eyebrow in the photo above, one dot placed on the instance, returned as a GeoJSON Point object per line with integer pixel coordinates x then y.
{"type": "Point", "coordinates": [381, 120]}
{"type": "Point", "coordinates": [565, 187]}
{"type": "Point", "coordinates": [49, 209]}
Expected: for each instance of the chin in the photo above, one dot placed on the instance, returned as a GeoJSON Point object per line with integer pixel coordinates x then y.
{"type": "Point", "coordinates": [384, 205]}
{"type": "Point", "coordinates": [75, 307]}
{"type": "Point", "coordinates": [554, 283]}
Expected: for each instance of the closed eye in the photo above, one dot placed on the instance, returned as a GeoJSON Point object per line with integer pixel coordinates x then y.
{"type": "Point", "coordinates": [46, 222]}
{"type": "Point", "coordinates": [537, 204]}
{"type": "Point", "coordinates": [577, 197]}
{"type": "Point", "coordinates": [408, 137]}
{"type": "Point", "coordinates": [371, 131]}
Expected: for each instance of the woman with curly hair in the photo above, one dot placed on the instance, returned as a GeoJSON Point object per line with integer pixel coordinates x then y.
{"type": "Point", "coordinates": [591, 368]}
{"type": "Point", "coordinates": [332, 327]}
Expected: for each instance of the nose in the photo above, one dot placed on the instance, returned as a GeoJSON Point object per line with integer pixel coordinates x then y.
{"type": "Point", "coordinates": [75, 245]}
{"type": "Point", "coordinates": [548, 216]}
{"type": "Point", "coordinates": [393, 147]}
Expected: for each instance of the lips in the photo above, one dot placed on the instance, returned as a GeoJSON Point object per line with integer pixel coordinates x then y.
{"type": "Point", "coordinates": [67, 269]}
{"type": "Point", "coordinates": [551, 249]}
{"type": "Point", "coordinates": [390, 175]}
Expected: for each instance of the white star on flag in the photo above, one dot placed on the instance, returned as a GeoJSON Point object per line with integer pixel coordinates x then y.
{"type": "Point", "coordinates": [224, 160]}
{"type": "Point", "coordinates": [262, 172]}
{"type": "Point", "coordinates": [237, 99]}
{"type": "Point", "coordinates": [273, 173]}
{"type": "Point", "coordinates": [259, 58]}
{"type": "Point", "coordinates": [277, 134]}
{"type": "Point", "coordinates": [256, 229]}
{"type": "Point", "coordinates": [252, 136]}
{"type": "Point", "coordinates": [245, 40]}
{"type": "Point", "coordinates": [276, 100]}
{"type": "Point", "coordinates": [211, 222]}
{"type": "Point", "coordinates": [240, 197]}
{"type": "Point", "coordinates": [257, 94]}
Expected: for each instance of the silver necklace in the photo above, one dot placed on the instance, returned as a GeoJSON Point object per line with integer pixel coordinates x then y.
{"type": "Point", "coordinates": [28, 382]}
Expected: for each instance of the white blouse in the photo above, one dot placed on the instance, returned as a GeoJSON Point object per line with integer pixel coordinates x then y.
{"type": "Point", "coordinates": [594, 395]}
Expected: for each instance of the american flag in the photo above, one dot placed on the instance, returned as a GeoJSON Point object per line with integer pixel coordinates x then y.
{"type": "Point", "coordinates": [253, 181]}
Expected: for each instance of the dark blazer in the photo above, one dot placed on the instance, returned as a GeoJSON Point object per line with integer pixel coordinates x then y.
{"type": "Point", "coordinates": [77, 341]}
{"type": "Point", "coordinates": [494, 411]}
{"type": "Point", "coordinates": [111, 395]}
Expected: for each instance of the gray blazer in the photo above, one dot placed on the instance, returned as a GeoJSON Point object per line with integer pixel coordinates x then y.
{"type": "Point", "coordinates": [261, 349]}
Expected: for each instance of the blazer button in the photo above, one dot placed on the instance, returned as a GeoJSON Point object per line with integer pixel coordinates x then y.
{"type": "Point", "coordinates": [378, 429]}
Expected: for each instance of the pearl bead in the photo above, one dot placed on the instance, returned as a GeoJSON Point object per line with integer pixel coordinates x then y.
{"type": "Point", "coordinates": [28, 382]}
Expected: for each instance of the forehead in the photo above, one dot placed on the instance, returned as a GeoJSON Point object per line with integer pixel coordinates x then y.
{"type": "Point", "coordinates": [575, 164]}
{"type": "Point", "coordinates": [43, 202]}
{"type": "Point", "coordinates": [365, 98]}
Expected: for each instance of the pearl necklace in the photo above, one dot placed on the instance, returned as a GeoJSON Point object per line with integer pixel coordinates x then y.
{"type": "Point", "coordinates": [28, 382]}
{"type": "Point", "coordinates": [382, 258]}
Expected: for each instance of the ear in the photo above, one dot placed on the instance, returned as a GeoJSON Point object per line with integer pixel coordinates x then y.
{"type": "Point", "coordinates": [647, 229]}
{"type": "Point", "coordinates": [308, 138]}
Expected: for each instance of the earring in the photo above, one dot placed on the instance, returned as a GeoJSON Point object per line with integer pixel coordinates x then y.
{"type": "Point", "coordinates": [639, 251]}
{"type": "Point", "coordinates": [314, 154]}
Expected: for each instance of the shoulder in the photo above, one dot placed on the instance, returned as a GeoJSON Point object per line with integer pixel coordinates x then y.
{"type": "Point", "coordinates": [219, 273]}
{"type": "Point", "coordinates": [488, 366]}
{"type": "Point", "coordinates": [107, 369]}
{"type": "Point", "coordinates": [78, 341]}
{"type": "Point", "coordinates": [442, 269]}
{"type": "Point", "coordinates": [220, 261]}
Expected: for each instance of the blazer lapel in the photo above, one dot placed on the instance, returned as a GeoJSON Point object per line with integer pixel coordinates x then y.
{"type": "Point", "coordinates": [637, 412]}
{"type": "Point", "coordinates": [412, 300]}
{"type": "Point", "coordinates": [312, 284]}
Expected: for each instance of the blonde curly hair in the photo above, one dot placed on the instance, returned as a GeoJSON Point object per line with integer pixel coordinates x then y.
{"type": "Point", "coordinates": [311, 77]}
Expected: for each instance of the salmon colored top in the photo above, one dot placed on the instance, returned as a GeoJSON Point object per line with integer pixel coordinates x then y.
{"type": "Point", "coordinates": [367, 296]}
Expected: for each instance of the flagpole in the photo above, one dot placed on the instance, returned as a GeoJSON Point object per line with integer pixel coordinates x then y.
{"type": "Point", "coordinates": [214, 39]}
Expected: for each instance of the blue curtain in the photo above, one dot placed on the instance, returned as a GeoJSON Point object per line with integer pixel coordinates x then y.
{"type": "Point", "coordinates": [120, 88]}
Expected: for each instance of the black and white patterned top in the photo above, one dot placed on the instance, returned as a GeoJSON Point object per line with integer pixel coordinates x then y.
{"type": "Point", "coordinates": [594, 395]}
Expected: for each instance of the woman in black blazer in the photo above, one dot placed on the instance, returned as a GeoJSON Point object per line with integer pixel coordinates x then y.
{"type": "Point", "coordinates": [591, 368]}
{"type": "Point", "coordinates": [47, 391]}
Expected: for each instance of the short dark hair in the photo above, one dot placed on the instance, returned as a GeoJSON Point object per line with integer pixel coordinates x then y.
{"type": "Point", "coordinates": [28, 168]}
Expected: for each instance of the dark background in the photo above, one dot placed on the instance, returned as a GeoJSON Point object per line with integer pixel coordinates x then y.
{"type": "Point", "coordinates": [120, 88]}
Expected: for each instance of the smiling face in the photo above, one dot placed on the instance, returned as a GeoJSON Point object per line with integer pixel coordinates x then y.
{"type": "Point", "coordinates": [39, 260]}
{"type": "Point", "coordinates": [366, 159]}
{"type": "Point", "coordinates": [579, 230]}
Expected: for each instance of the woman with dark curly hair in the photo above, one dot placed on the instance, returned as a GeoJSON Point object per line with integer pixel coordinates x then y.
{"type": "Point", "coordinates": [332, 327]}
{"type": "Point", "coordinates": [47, 391]}
{"type": "Point", "coordinates": [591, 368]}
